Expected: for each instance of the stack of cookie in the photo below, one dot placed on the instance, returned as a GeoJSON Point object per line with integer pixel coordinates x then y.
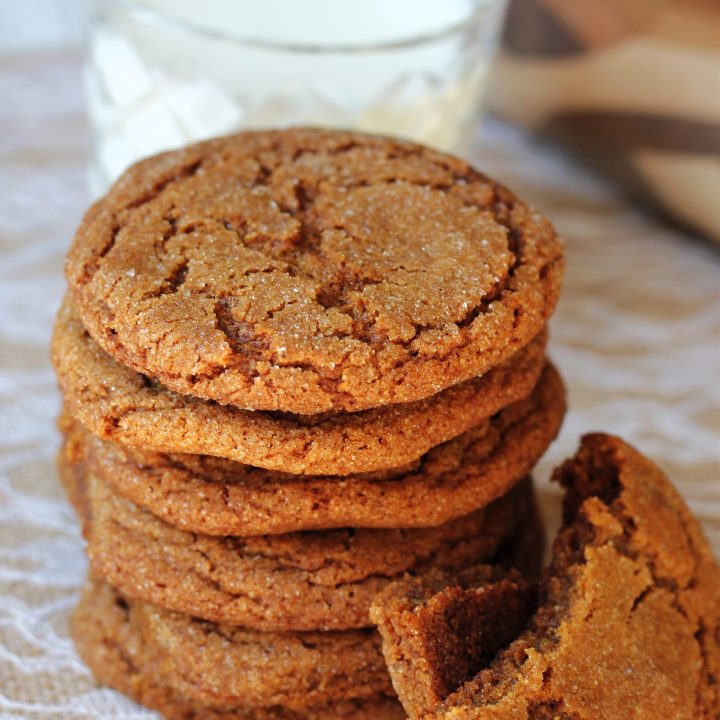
{"type": "Point", "coordinates": [296, 365]}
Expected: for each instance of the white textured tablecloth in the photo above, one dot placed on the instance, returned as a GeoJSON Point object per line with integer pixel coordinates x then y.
{"type": "Point", "coordinates": [637, 337]}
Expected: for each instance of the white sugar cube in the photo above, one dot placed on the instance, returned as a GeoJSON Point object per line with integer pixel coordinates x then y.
{"type": "Point", "coordinates": [151, 128]}
{"type": "Point", "coordinates": [103, 112]}
{"type": "Point", "coordinates": [124, 75]}
{"type": "Point", "coordinates": [113, 156]}
{"type": "Point", "coordinates": [297, 105]}
{"type": "Point", "coordinates": [203, 109]}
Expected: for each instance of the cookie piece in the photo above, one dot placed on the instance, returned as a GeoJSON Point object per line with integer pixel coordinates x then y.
{"type": "Point", "coordinates": [629, 617]}
{"type": "Point", "coordinates": [302, 581]}
{"type": "Point", "coordinates": [438, 630]}
{"type": "Point", "coordinates": [307, 271]}
{"type": "Point", "coordinates": [220, 497]}
{"type": "Point", "coordinates": [526, 552]}
{"type": "Point", "coordinates": [120, 404]}
{"type": "Point", "coordinates": [125, 650]}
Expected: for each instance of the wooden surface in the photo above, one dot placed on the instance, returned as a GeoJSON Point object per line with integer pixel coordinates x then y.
{"type": "Point", "coordinates": [636, 337]}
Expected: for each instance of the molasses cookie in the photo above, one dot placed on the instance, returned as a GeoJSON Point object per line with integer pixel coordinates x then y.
{"type": "Point", "coordinates": [438, 629]}
{"type": "Point", "coordinates": [119, 404]}
{"type": "Point", "coordinates": [308, 271]}
{"type": "Point", "coordinates": [301, 581]}
{"type": "Point", "coordinates": [132, 648]}
{"type": "Point", "coordinates": [220, 497]}
{"type": "Point", "coordinates": [628, 623]}
{"type": "Point", "coordinates": [226, 666]}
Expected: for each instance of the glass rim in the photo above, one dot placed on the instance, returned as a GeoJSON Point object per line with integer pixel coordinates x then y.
{"type": "Point", "coordinates": [159, 18]}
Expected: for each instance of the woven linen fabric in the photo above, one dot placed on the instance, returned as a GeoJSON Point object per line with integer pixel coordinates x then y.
{"type": "Point", "coordinates": [636, 337]}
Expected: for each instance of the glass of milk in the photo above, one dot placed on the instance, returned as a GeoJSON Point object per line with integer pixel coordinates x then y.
{"type": "Point", "coordinates": [164, 73]}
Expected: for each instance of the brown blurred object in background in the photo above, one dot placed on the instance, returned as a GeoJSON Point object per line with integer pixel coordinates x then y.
{"type": "Point", "coordinates": [632, 85]}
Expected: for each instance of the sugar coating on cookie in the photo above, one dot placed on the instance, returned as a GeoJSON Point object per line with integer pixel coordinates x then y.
{"type": "Point", "coordinates": [119, 404]}
{"type": "Point", "coordinates": [307, 271]}
{"type": "Point", "coordinates": [299, 581]}
{"type": "Point", "coordinates": [229, 666]}
{"type": "Point", "coordinates": [629, 615]}
{"type": "Point", "coordinates": [220, 497]}
{"type": "Point", "coordinates": [120, 642]}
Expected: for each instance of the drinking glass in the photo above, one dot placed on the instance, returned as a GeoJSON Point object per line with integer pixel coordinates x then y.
{"type": "Point", "coordinates": [164, 73]}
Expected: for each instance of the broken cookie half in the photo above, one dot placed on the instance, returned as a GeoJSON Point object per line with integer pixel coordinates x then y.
{"type": "Point", "coordinates": [437, 629]}
{"type": "Point", "coordinates": [626, 622]}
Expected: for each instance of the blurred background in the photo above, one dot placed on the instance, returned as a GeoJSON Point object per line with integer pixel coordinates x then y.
{"type": "Point", "coordinates": [632, 87]}
{"type": "Point", "coordinates": [604, 114]}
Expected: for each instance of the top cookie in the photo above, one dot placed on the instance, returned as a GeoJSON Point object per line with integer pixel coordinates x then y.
{"type": "Point", "coordinates": [309, 271]}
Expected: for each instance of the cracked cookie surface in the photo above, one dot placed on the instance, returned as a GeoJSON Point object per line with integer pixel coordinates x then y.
{"type": "Point", "coordinates": [301, 581]}
{"type": "Point", "coordinates": [308, 271]}
{"type": "Point", "coordinates": [220, 497]}
{"type": "Point", "coordinates": [120, 404]}
{"type": "Point", "coordinates": [628, 623]}
{"type": "Point", "coordinates": [131, 647]}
